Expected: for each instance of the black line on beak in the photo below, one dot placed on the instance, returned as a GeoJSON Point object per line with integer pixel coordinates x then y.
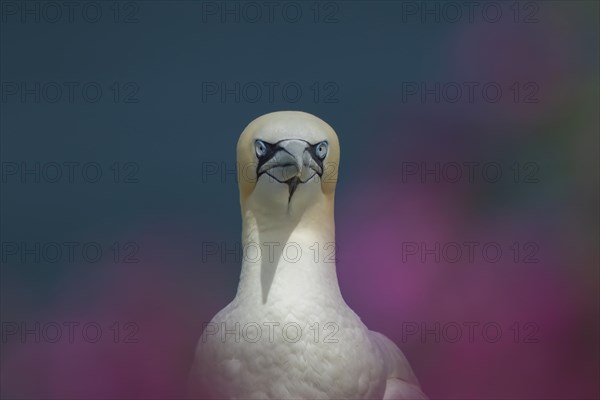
{"type": "Point", "coordinates": [292, 185]}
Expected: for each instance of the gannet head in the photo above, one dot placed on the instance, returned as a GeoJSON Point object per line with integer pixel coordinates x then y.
{"type": "Point", "coordinates": [287, 160]}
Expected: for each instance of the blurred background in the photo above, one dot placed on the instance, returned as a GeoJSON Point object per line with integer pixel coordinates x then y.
{"type": "Point", "coordinates": [466, 209]}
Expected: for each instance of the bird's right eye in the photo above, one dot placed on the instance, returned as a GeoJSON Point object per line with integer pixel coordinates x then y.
{"type": "Point", "coordinates": [261, 148]}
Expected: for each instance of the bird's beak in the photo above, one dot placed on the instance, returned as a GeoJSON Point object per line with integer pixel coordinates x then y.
{"type": "Point", "coordinates": [291, 163]}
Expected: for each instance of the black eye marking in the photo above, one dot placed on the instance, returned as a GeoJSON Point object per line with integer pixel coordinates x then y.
{"type": "Point", "coordinates": [315, 154]}
{"type": "Point", "coordinates": [263, 156]}
{"type": "Point", "coordinates": [270, 149]}
{"type": "Point", "coordinates": [264, 150]}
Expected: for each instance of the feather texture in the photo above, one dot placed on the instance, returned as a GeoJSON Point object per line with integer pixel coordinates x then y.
{"type": "Point", "coordinates": [289, 334]}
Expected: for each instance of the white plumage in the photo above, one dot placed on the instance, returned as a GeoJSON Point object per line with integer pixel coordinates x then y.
{"type": "Point", "coordinates": [289, 334]}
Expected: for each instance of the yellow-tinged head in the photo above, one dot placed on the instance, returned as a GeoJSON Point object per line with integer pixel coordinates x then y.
{"type": "Point", "coordinates": [287, 159]}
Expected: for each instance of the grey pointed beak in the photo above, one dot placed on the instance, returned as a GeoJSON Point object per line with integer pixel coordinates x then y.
{"type": "Point", "coordinates": [290, 161]}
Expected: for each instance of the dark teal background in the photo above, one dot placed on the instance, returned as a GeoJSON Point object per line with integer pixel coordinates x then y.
{"type": "Point", "coordinates": [171, 135]}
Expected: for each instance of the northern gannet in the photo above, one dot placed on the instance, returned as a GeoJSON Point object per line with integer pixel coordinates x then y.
{"type": "Point", "coordinates": [288, 333]}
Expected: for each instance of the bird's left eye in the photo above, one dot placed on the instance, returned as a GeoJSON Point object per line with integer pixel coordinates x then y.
{"type": "Point", "coordinates": [261, 148]}
{"type": "Point", "coordinates": [321, 150]}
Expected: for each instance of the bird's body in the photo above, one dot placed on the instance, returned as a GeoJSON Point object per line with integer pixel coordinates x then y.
{"type": "Point", "coordinates": [289, 333]}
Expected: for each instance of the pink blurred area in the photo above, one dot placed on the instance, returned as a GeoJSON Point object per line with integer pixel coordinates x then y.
{"type": "Point", "coordinates": [159, 306]}
{"type": "Point", "coordinates": [558, 360]}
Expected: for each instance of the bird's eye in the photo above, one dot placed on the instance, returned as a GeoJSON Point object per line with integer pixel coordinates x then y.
{"type": "Point", "coordinates": [261, 148]}
{"type": "Point", "coordinates": [321, 150]}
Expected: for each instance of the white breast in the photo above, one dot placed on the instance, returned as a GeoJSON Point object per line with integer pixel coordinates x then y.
{"type": "Point", "coordinates": [301, 348]}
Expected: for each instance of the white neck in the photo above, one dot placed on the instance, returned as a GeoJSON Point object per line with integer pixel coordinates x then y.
{"type": "Point", "coordinates": [287, 252]}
